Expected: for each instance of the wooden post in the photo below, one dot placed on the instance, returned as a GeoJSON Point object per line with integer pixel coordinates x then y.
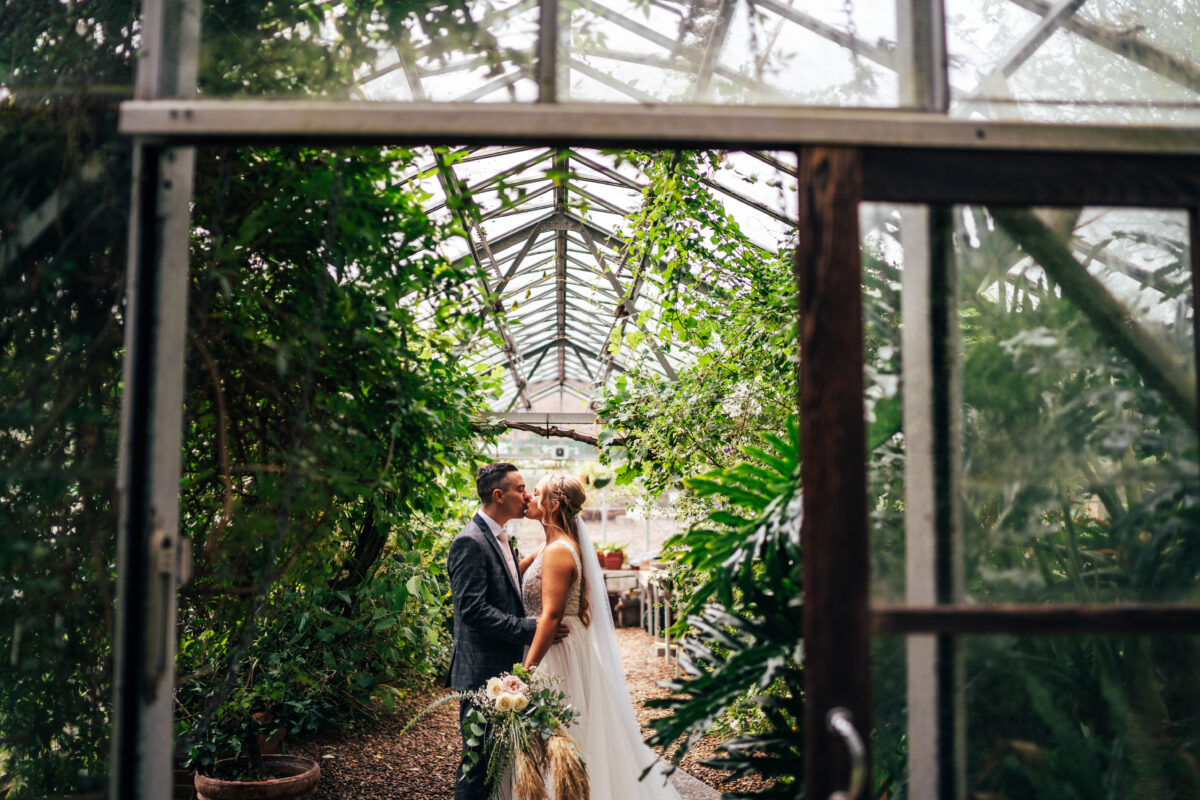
{"type": "Point", "coordinates": [667, 629]}
{"type": "Point", "coordinates": [828, 271]}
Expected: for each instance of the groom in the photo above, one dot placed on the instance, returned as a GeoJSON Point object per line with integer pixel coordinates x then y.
{"type": "Point", "coordinates": [490, 627]}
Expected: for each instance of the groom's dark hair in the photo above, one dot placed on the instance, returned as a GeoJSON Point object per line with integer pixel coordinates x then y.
{"type": "Point", "coordinates": [490, 478]}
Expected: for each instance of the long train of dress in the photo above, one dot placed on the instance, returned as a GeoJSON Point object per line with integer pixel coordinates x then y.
{"type": "Point", "coordinates": [611, 744]}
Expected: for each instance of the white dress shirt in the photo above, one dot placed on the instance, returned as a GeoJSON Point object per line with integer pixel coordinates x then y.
{"type": "Point", "coordinates": [501, 537]}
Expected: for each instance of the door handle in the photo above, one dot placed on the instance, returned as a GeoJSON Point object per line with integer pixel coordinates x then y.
{"type": "Point", "coordinates": [840, 721]}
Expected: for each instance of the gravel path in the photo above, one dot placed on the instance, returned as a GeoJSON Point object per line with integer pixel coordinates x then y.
{"type": "Point", "coordinates": [375, 763]}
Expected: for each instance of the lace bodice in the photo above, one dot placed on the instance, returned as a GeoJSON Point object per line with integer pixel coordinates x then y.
{"type": "Point", "coordinates": [531, 585]}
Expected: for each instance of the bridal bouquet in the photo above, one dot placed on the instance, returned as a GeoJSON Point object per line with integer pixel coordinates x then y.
{"type": "Point", "coordinates": [519, 720]}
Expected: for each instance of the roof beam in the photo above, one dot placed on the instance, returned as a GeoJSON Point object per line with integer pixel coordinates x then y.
{"type": "Point", "coordinates": [508, 205]}
{"type": "Point", "coordinates": [625, 310]}
{"type": "Point", "coordinates": [712, 49]}
{"type": "Point", "coordinates": [530, 210]}
{"type": "Point", "coordinates": [770, 160]}
{"type": "Point", "coordinates": [561, 165]}
{"type": "Point", "coordinates": [600, 201]}
{"type": "Point", "coordinates": [566, 387]}
{"type": "Point", "coordinates": [756, 205]}
{"type": "Point", "coordinates": [612, 83]}
{"type": "Point", "coordinates": [604, 169]}
{"type": "Point", "coordinates": [583, 364]}
{"type": "Point", "coordinates": [450, 187]}
{"type": "Point", "coordinates": [485, 153]}
{"type": "Point", "coordinates": [692, 54]}
{"type": "Point", "coordinates": [494, 85]}
{"type": "Point", "coordinates": [541, 349]}
{"type": "Point", "coordinates": [508, 173]}
{"type": "Point", "coordinates": [872, 52]}
{"type": "Point", "coordinates": [1026, 46]}
{"type": "Point", "coordinates": [32, 225]}
{"type": "Point", "coordinates": [910, 135]}
{"type": "Point", "coordinates": [1141, 53]}
{"type": "Point", "coordinates": [530, 286]}
{"type": "Point", "coordinates": [550, 418]}
{"type": "Point", "coordinates": [498, 290]}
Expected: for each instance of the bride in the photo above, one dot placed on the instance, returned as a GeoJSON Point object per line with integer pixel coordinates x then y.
{"type": "Point", "coordinates": [562, 583]}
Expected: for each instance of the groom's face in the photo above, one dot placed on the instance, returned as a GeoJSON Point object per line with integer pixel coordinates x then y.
{"type": "Point", "coordinates": [514, 499]}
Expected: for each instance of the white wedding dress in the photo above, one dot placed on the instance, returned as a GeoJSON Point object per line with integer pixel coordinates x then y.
{"type": "Point", "coordinates": [606, 729]}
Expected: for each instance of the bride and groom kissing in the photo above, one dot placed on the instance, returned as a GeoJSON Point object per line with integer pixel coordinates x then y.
{"type": "Point", "coordinates": [548, 610]}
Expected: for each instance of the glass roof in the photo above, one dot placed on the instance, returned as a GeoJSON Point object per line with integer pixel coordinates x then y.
{"type": "Point", "coordinates": [547, 227]}
{"type": "Point", "coordinates": [1133, 61]}
{"type": "Point", "coordinates": [548, 230]}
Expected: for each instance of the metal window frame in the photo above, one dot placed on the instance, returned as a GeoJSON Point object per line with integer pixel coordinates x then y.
{"type": "Point", "coordinates": [598, 125]}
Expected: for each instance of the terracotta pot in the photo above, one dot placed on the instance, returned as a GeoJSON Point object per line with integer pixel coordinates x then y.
{"type": "Point", "coordinates": [600, 558]}
{"type": "Point", "coordinates": [614, 560]}
{"type": "Point", "coordinates": [297, 778]}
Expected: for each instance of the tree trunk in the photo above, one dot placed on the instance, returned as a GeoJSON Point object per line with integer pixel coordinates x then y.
{"type": "Point", "coordinates": [368, 546]}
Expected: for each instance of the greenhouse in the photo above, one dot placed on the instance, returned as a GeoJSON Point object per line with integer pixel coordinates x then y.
{"type": "Point", "coordinates": [864, 331]}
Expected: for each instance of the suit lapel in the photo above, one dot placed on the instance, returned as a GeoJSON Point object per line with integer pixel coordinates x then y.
{"type": "Point", "coordinates": [497, 548]}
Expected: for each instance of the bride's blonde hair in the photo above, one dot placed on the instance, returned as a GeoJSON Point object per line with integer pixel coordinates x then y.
{"type": "Point", "coordinates": [568, 491]}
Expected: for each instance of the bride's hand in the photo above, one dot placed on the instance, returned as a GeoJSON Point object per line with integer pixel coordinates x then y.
{"type": "Point", "coordinates": [562, 633]}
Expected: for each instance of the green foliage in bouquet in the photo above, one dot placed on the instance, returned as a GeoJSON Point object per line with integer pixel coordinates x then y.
{"type": "Point", "coordinates": [518, 720]}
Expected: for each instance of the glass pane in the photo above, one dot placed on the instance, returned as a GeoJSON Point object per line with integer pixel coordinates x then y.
{"type": "Point", "coordinates": [560, 365]}
{"type": "Point", "coordinates": [1045, 717]}
{"type": "Point", "coordinates": [1082, 717]}
{"type": "Point", "coordinates": [883, 264]}
{"type": "Point", "coordinates": [1078, 405]}
{"type": "Point", "coordinates": [476, 51]}
{"type": "Point", "coordinates": [818, 53]}
{"type": "Point", "coordinates": [890, 718]}
{"type": "Point", "coordinates": [1118, 61]}
{"type": "Point", "coordinates": [1078, 427]}
{"type": "Point", "coordinates": [64, 198]}
{"type": "Point", "coordinates": [829, 53]}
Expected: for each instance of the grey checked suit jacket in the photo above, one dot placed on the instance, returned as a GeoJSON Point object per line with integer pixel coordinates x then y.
{"type": "Point", "coordinates": [490, 628]}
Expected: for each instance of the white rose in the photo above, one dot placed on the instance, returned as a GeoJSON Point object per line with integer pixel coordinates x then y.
{"type": "Point", "coordinates": [520, 702]}
{"type": "Point", "coordinates": [494, 688]}
{"type": "Point", "coordinates": [504, 703]}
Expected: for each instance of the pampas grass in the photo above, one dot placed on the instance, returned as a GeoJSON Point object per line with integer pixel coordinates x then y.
{"type": "Point", "coordinates": [559, 756]}
{"type": "Point", "coordinates": [528, 748]}
{"type": "Point", "coordinates": [530, 785]}
{"type": "Point", "coordinates": [567, 768]}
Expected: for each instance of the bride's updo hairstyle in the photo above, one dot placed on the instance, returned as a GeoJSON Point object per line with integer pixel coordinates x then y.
{"type": "Point", "coordinates": [568, 491]}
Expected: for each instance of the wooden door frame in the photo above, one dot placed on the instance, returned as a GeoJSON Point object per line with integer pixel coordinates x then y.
{"type": "Point", "coordinates": [845, 158]}
{"type": "Point", "coordinates": [834, 534]}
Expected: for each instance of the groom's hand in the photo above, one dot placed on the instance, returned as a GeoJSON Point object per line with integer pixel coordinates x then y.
{"type": "Point", "coordinates": [563, 632]}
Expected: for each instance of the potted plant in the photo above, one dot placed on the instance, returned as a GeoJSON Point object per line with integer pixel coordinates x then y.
{"type": "Point", "coordinates": [286, 778]}
{"type": "Point", "coordinates": [235, 755]}
{"type": "Point", "coordinates": [614, 557]}
{"type": "Point", "coordinates": [250, 774]}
